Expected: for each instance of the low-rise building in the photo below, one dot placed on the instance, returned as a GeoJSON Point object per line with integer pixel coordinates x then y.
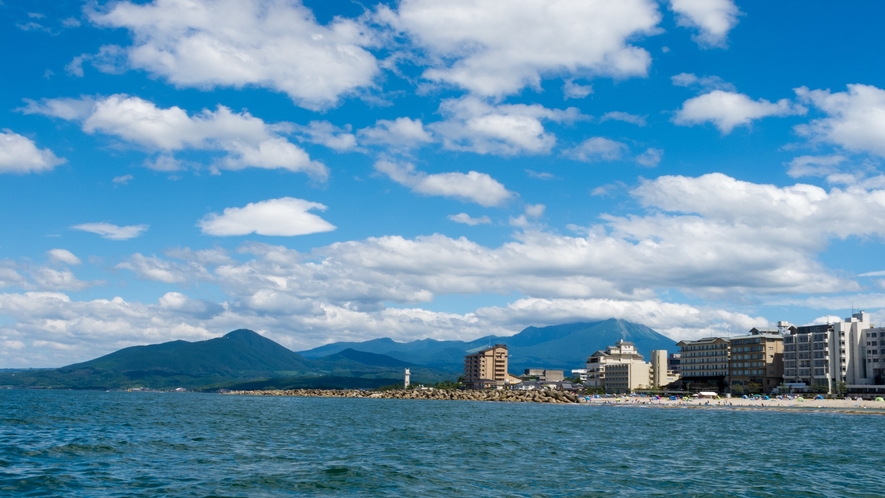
{"type": "Point", "coordinates": [543, 375]}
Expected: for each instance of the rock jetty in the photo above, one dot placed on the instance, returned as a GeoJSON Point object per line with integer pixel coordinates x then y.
{"type": "Point", "coordinates": [542, 396]}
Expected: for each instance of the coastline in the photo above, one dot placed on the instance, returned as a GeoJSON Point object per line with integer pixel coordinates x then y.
{"type": "Point", "coordinates": [547, 396]}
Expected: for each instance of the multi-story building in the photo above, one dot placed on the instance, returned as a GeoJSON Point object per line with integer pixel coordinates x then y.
{"type": "Point", "coordinates": [756, 361]}
{"type": "Point", "coordinates": [487, 368]}
{"type": "Point", "coordinates": [660, 372]}
{"type": "Point", "coordinates": [874, 339]}
{"type": "Point", "coordinates": [829, 357]}
{"type": "Point", "coordinates": [618, 369]}
{"type": "Point", "coordinates": [674, 362]}
{"type": "Point", "coordinates": [704, 362]}
{"type": "Point", "coordinates": [544, 375]}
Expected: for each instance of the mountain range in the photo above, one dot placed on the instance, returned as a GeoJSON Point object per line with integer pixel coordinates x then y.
{"type": "Point", "coordinates": [564, 346]}
{"type": "Point", "coordinates": [243, 359]}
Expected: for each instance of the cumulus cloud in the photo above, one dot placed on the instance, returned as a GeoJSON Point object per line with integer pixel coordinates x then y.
{"type": "Point", "coordinates": [328, 135]}
{"type": "Point", "coordinates": [285, 217]}
{"type": "Point", "coordinates": [19, 154]}
{"type": "Point", "coordinates": [273, 44]}
{"type": "Point", "coordinates": [466, 219]}
{"type": "Point", "coordinates": [726, 110]}
{"type": "Point", "coordinates": [712, 18]}
{"type": "Point", "coordinates": [473, 125]}
{"type": "Point", "coordinates": [572, 90]}
{"type": "Point", "coordinates": [855, 120]}
{"type": "Point", "coordinates": [815, 165]}
{"type": "Point", "coordinates": [471, 186]}
{"type": "Point", "coordinates": [63, 256]}
{"type": "Point", "coordinates": [498, 47]}
{"type": "Point", "coordinates": [112, 232]}
{"type": "Point", "coordinates": [709, 236]}
{"type": "Point", "coordinates": [247, 141]}
{"type": "Point", "coordinates": [597, 149]}
{"type": "Point", "coordinates": [806, 215]}
{"type": "Point", "coordinates": [52, 329]}
{"type": "Point", "coordinates": [650, 158]}
{"type": "Point", "coordinates": [400, 134]}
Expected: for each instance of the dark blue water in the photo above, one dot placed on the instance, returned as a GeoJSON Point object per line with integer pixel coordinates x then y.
{"type": "Point", "coordinates": [65, 443]}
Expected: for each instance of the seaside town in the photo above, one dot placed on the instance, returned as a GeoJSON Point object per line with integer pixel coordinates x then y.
{"type": "Point", "coordinates": [838, 360]}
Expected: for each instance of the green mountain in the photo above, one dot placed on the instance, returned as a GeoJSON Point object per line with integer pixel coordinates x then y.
{"type": "Point", "coordinates": [564, 346]}
{"type": "Point", "coordinates": [238, 358]}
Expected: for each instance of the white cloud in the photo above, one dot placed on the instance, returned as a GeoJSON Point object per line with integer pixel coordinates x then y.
{"type": "Point", "coordinates": [52, 279]}
{"type": "Point", "coordinates": [471, 186]}
{"type": "Point", "coordinates": [328, 135]}
{"type": "Point", "coordinates": [473, 125]}
{"type": "Point", "coordinates": [713, 19]}
{"type": "Point", "coordinates": [52, 330]}
{"type": "Point", "coordinates": [705, 83]}
{"type": "Point", "coordinates": [272, 44]}
{"type": "Point", "coordinates": [625, 117]}
{"type": "Point", "coordinates": [855, 119]}
{"type": "Point", "coordinates": [806, 215]}
{"type": "Point", "coordinates": [468, 220]}
{"type": "Point", "coordinates": [540, 175]}
{"type": "Point", "coordinates": [63, 256]}
{"type": "Point", "coordinates": [285, 217]}
{"type": "Point", "coordinates": [498, 47]}
{"type": "Point", "coordinates": [572, 90]}
{"type": "Point", "coordinates": [650, 158]}
{"type": "Point", "coordinates": [534, 210]}
{"type": "Point", "coordinates": [122, 180]}
{"type": "Point", "coordinates": [247, 141]}
{"type": "Point", "coordinates": [726, 110]}
{"type": "Point", "coordinates": [112, 232]}
{"type": "Point", "coordinates": [19, 154]}
{"type": "Point", "coordinates": [815, 165]}
{"type": "Point", "coordinates": [154, 268]}
{"type": "Point", "coordinates": [597, 149]}
{"type": "Point", "coordinates": [400, 134]}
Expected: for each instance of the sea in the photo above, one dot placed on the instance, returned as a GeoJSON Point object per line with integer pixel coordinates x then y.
{"type": "Point", "coordinates": [96, 444]}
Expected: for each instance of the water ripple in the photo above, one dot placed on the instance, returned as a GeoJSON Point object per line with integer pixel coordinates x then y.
{"type": "Point", "coordinates": [148, 444]}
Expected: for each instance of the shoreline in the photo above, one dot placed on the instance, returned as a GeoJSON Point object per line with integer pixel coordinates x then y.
{"type": "Point", "coordinates": [557, 397]}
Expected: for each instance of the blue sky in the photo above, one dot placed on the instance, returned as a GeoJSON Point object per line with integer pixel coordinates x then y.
{"type": "Point", "coordinates": [327, 171]}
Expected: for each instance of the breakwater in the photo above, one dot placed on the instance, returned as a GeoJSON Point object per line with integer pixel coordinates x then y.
{"type": "Point", "coordinates": [544, 396]}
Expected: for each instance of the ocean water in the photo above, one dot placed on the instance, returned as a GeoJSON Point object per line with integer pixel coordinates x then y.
{"type": "Point", "coordinates": [69, 443]}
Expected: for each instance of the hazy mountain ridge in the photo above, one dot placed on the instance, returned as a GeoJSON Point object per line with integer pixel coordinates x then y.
{"type": "Point", "coordinates": [239, 357]}
{"type": "Point", "coordinates": [563, 346]}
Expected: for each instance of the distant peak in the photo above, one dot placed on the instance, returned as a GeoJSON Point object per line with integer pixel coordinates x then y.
{"type": "Point", "coordinates": [242, 334]}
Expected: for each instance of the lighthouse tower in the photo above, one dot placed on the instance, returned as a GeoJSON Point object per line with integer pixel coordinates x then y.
{"type": "Point", "coordinates": [408, 375]}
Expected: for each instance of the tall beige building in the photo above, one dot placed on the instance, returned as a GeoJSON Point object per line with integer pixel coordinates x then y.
{"type": "Point", "coordinates": [660, 374]}
{"type": "Point", "coordinates": [487, 368]}
{"type": "Point", "coordinates": [618, 369]}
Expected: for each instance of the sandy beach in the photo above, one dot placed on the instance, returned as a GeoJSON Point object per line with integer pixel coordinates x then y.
{"type": "Point", "coordinates": [853, 406]}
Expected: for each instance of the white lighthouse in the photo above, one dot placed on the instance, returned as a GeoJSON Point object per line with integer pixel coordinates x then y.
{"type": "Point", "coordinates": [408, 374]}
